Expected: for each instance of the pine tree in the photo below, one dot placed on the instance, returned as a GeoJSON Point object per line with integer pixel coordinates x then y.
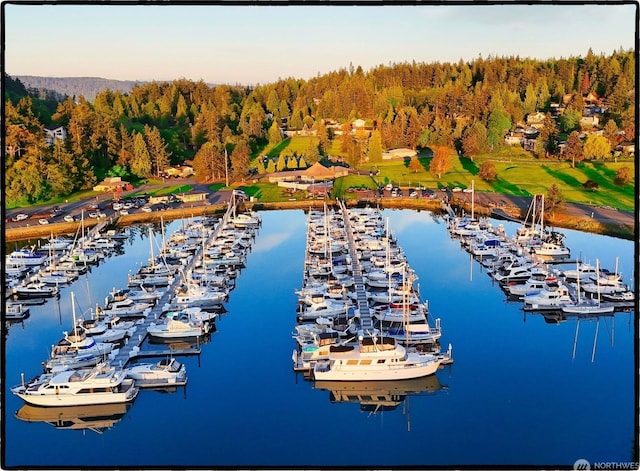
{"type": "Point", "coordinates": [271, 166]}
{"type": "Point", "coordinates": [275, 134]}
{"type": "Point", "coordinates": [141, 160]}
{"type": "Point", "coordinates": [281, 164]}
{"type": "Point", "coordinates": [157, 149]}
{"type": "Point", "coordinates": [240, 160]}
{"type": "Point", "coordinates": [374, 153]}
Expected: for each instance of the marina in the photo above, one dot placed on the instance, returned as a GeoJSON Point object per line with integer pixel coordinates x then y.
{"type": "Point", "coordinates": [227, 388]}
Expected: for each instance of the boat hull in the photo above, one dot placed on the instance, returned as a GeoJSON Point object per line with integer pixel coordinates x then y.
{"type": "Point", "coordinates": [338, 372]}
{"type": "Point", "coordinates": [127, 394]}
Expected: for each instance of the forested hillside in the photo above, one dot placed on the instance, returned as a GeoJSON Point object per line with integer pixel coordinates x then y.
{"type": "Point", "coordinates": [88, 87]}
{"type": "Point", "coordinates": [466, 105]}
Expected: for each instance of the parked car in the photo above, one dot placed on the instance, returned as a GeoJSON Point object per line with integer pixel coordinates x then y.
{"type": "Point", "coordinates": [69, 218]}
{"type": "Point", "coordinates": [43, 221]}
{"type": "Point", "coordinates": [93, 215]}
{"type": "Point", "coordinates": [146, 209]}
{"type": "Point", "coordinates": [456, 189]}
{"type": "Point", "coordinates": [20, 217]}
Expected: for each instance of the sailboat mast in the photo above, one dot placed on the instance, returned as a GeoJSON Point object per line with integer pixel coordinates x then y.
{"type": "Point", "coordinates": [472, 199]}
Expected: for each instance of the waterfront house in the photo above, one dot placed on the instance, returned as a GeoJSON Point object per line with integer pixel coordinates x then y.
{"type": "Point", "coordinates": [54, 132]}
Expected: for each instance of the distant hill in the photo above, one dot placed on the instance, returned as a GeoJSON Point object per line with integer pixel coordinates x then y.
{"type": "Point", "coordinates": [76, 86]}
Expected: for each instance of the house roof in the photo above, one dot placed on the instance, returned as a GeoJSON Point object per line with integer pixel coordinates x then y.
{"type": "Point", "coordinates": [319, 171]}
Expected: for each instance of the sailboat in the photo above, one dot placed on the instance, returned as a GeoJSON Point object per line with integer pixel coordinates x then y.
{"type": "Point", "coordinates": [587, 307]}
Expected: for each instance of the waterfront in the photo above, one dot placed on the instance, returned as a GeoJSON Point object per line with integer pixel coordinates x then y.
{"type": "Point", "coordinates": [516, 393]}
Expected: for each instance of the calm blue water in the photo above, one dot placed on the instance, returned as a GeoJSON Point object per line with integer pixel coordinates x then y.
{"type": "Point", "coordinates": [516, 394]}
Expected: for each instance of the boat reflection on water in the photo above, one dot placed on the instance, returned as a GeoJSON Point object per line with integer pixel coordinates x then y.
{"type": "Point", "coordinates": [97, 418]}
{"type": "Point", "coordinates": [376, 396]}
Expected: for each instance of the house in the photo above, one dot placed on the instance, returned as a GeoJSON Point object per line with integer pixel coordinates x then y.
{"type": "Point", "coordinates": [111, 184]}
{"type": "Point", "coordinates": [317, 172]}
{"type": "Point", "coordinates": [626, 147]}
{"type": "Point", "coordinates": [514, 138]}
{"type": "Point", "coordinates": [178, 171]}
{"type": "Point", "coordinates": [357, 123]}
{"type": "Point", "coordinates": [592, 98]}
{"type": "Point", "coordinates": [589, 121]}
{"type": "Point", "coordinates": [192, 196]}
{"type": "Point", "coordinates": [54, 132]}
{"type": "Point", "coordinates": [535, 118]}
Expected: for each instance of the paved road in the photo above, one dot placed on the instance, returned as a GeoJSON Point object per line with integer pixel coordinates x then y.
{"type": "Point", "coordinates": [491, 200]}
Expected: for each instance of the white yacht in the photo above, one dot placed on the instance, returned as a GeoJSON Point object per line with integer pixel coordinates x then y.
{"type": "Point", "coordinates": [102, 384]}
{"type": "Point", "coordinates": [166, 372]}
{"type": "Point", "coordinates": [374, 359]}
{"type": "Point", "coordinates": [179, 324]}
{"type": "Point", "coordinates": [550, 298]}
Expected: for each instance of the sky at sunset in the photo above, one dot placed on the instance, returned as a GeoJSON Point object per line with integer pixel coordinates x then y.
{"type": "Point", "coordinates": [260, 44]}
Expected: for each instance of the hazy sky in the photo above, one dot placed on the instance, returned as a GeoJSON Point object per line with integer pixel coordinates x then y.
{"type": "Point", "coordinates": [259, 44]}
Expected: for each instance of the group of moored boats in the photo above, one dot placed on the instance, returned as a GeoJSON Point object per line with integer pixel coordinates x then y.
{"type": "Point", "coordinates": [194, 264]}
{"type": "Point", "coordinates": [360, 316]}
{"type": "Point", "coordinates": [525, 267]}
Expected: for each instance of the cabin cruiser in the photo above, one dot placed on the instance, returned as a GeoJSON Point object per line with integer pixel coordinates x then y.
{"type": "Point", "coordinates": [166, 372]}
{"type": "Point", "coordinates": [374, 359]}
{"type": "Point", "coordinates": [549, 298]}
{"type": "Point", "coordinates": [180, 324]}
{"type": "Point", "coordinates": [102, 384]}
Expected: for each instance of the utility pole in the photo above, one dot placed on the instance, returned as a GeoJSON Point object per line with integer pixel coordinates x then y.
{"type": "Point", "coordinates": [226, 167]}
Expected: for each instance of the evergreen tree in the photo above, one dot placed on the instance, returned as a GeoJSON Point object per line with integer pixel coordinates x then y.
{"type": "Point", "coordinates": [157, 149]}
{"type": "Point", "coordinates": [140, 160]}
{"type": "Point", "coordinates": [271, 166]}
{"type": "Point", "coordinates": [311, 152]}
{"type": "Point", "coordinates": [281, 164]}
{"type": "Point", "coordinates": [275, 134]}
{"type": "Point", "coordinates": [240, 160]}
{"type": "Point", "coordinates": [374, 153]}
{"type": "Point", "coordinates": [260, 166]}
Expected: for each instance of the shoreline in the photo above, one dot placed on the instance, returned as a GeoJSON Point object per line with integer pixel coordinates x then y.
{"type": "Point", "coordinates": [570, 216]}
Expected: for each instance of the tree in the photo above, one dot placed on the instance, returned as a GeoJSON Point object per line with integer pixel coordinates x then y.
{"type": "Point", "coordinates": [240, 160]}
{"type": "Point", "coordinates": [596, 147]}
{"type": "Point", "coordinates": [260, 166]}
{"type": "Point", "coordinates": [311, 152]}
{"type": "Point", "coordinates": [498, 124]}
{"type": "Point", "coordinates": [573, 151]}
{"type": "Point", "coordinates": [474, 140]}
{"type": "Point", "coordinates": [281, 164]}
{"type": "Point", "coordinates": [157, 149]}
{"type": "Point", "coordinates": [292, 162]}
{"type": "Point", "coordinates": [570, 120]}
{"type": "Point", "coordinates": [414, 165]}
{"type": "Point", "coordinates": [271, 166]}
{"type": "Point", "coordinates": [488, 171]}
{"type": "Point", "coordinates": [623, 176]}
{"type": "Point", "coordinates": [554, 199]}
{"type": "Point", "coordinates": [440, 162]}
{"type": "Point", "coordinates": [275, 134]}
{"type": "Point", "coordinates": [374, 152]}
{"type": "Point", "coordinates": [611, 133]}
{"type": "Point", "coordinates": [208, 163]}
{"type": "Point", "coordinates": [141, 160]}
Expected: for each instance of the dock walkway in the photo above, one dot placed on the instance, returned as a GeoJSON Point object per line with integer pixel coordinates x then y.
{"type": "Point", "coordinates": [131, 349]}
{"type": "Point", "coordinates": [363, 304]}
